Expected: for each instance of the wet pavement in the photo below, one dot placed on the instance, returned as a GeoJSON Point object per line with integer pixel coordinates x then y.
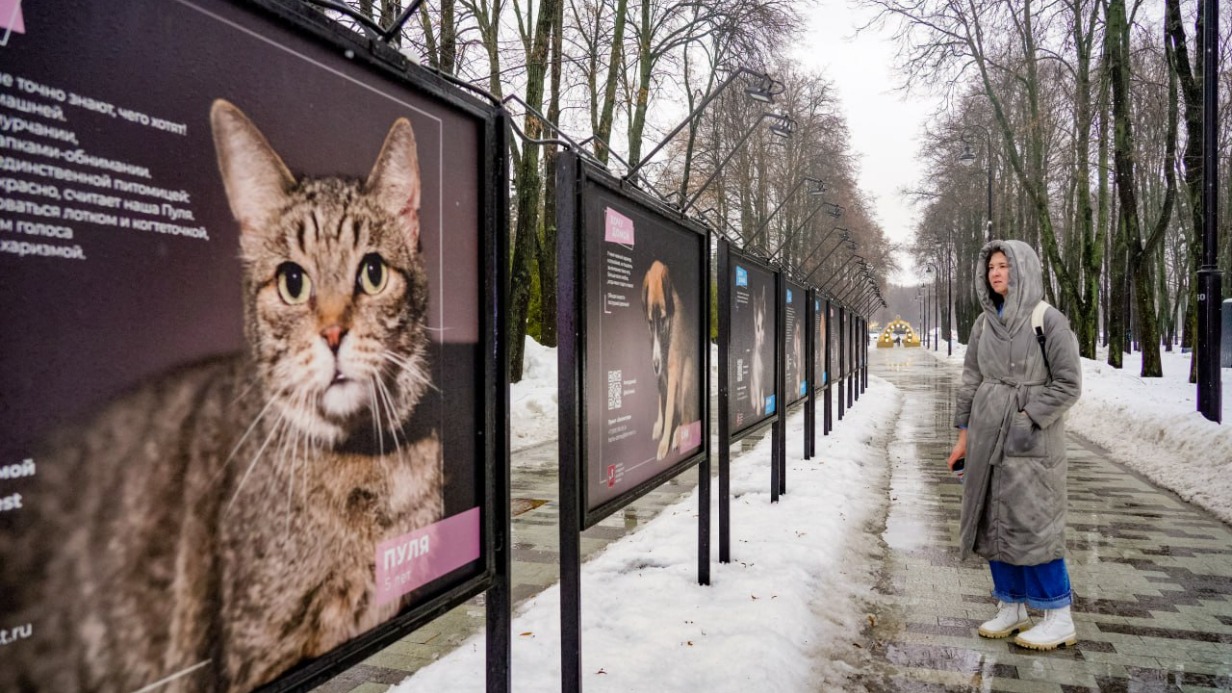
{"type": "Point", "coordinates": [1152, 575]}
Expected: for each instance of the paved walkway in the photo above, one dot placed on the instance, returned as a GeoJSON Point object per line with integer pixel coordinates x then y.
{"type": "Point", "coordinates": [1152, 575]}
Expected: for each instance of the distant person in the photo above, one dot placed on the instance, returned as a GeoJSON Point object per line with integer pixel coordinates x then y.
{"type": "Point", "coordinates": [1010, 413]}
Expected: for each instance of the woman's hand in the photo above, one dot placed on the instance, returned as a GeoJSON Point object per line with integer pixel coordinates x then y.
{"type": "Point", "coordinates": [960, 449]}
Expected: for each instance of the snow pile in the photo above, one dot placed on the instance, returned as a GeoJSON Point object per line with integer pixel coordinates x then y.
{"type": "Point", "coordinates": [532, 402]}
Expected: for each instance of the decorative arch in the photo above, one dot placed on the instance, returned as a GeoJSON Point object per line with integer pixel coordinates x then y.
{"type": "Point", "coordinates": [898, 333]}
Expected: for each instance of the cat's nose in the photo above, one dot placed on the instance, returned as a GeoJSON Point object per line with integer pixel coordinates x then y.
{"type": "Point", "coordinates": [333, 336]}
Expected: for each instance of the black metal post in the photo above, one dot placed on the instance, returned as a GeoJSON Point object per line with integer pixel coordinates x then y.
{"type": "Point", "coordinates": [703, 467]}
{"type": "Point", "coordinates": [1210, 279]}
{"type": "Point", "coordinates": [724, 378]}
{"type": "Point", "coordinates": [827, 404]}
{"type": "Point", "coordinates": [778, 446]}
{"type": "Point", "coordinates": [842, 358]}
{"type": "Point", "coordinates": [857, 329]}
{"type": "Point", "coordinates": [569, 325]}
{"type": "Point", "coordinates": [851, 362]}
{"type": "Point", "coordinates": [810, 370]}
{"type": "Point", "coordinates": [498, 603]}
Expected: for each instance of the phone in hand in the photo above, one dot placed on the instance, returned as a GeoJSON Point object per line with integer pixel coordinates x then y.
{"type": "Point", "coordinates": [959, 464]}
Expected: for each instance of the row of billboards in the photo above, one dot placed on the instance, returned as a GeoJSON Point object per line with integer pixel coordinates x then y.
{"type": "Point", "coordinates": [635, 351]}
{"type": "Point", "coordinates": [253, 391]}
{"type": "Point", "coordinates": [634, 358]}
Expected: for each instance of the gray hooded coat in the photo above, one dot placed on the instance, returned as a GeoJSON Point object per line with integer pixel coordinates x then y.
{"type": "Point", "coordinates": [1014, 498]}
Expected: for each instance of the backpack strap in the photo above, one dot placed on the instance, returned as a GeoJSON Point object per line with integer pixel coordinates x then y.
{"type": "Point", "coordinates": [1037, 323]}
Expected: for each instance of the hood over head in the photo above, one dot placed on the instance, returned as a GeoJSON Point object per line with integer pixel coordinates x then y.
{"type": "Point", "coordinates": [1026, 284]}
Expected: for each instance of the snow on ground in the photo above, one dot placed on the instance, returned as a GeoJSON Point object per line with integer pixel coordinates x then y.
{"type": "Point", "coordinates": [1152, 425]}
{"type": "Point", "coordinates": [791, 594]}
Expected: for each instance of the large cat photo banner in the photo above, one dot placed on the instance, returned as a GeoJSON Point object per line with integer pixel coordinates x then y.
{"type": "Point", "coordinates": [248, 289]}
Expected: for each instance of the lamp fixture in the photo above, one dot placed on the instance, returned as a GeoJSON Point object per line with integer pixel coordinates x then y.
{"type": "Point", "coordinates": [967, 158]}
{"type": "Point", "coordinates": [764, 90]}
{"type": "Point", "coordinates": [786, 127]}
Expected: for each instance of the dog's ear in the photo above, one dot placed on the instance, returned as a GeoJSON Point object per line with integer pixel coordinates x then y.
{"type": "Point", "coordinates": [646, 294]}
{"type": "Point", "coordinates": [669, 303]}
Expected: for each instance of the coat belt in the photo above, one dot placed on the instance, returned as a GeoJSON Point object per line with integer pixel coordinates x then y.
{"type": "Point", "coordinates": [1019, 401]}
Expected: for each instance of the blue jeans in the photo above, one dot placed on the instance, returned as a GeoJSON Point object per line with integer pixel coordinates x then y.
{"type": "Point", "coordinates": [1044, 586]}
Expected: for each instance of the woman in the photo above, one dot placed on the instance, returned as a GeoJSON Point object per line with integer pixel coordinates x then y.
{"type": "Point", "coordinates": [1010, 410]}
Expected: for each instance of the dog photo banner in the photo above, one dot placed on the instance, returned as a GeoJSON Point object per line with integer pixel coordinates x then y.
{"type": "Point", "coordinates": [754, 311]}
{"type": "Point", "coordinates": [820, 345]}
{"type": "Point", "coordinates": [795, 313]}
{"type": "Point", "coordinates": [645, 327]}
{"type": "Point", "coordinates": [241, 398]}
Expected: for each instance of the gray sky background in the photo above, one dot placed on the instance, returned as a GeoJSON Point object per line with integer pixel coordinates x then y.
{"type": "Point", "coordinates": [885, 125]}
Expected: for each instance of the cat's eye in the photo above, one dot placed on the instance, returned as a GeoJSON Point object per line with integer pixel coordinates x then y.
{"type": "Point", "coordinates": [294, 286]}
{"type": "Point", "coordinates": [373, 274]}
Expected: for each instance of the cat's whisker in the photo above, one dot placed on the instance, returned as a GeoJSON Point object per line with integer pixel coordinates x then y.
{"type": "Point", "coordinates": [282, 419]}
{"type": "Point", "coordinates": [376, 415]}
{"type": "Point", "coordinates": [416, 368]}
{"type": "Point", "coordinates": [393, 428]}
{"type": "Point", "coordinates": [238, 398]}
{"type": "Point", "coordinates": [256, 419]}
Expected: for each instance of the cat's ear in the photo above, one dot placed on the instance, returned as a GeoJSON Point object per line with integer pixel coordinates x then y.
{"type": "Point", "coordinates": [395, 182]}
{"type": "Point", "coordinates": [255, 178]}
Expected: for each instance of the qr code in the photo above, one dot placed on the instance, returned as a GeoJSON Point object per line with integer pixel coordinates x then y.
{"type": "Point", "coordinates": [614, 384]}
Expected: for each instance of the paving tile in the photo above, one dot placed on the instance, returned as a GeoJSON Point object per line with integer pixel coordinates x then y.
{"type": "Point", "coordinates": [1152, 578]}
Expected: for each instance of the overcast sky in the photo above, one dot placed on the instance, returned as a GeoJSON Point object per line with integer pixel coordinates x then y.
{"type": "Point", "coordinates": [885, 126]}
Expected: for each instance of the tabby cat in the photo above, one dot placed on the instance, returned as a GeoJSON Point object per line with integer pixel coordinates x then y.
{"type": "Point", "coordinates": [219, 523]}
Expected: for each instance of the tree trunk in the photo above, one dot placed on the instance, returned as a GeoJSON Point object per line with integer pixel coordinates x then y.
{"type": "Point", "coordinates": [547, 246]}
{"type": "Point", "coordinates": [603, 134]}
{"type": "Point", "coordinates": [527, 185]}
{"type": "Point", "coordinates": [1190, 78]}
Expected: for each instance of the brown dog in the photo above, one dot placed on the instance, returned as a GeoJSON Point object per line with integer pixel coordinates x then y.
{"type": "Point", "coordinates": [672, 345]}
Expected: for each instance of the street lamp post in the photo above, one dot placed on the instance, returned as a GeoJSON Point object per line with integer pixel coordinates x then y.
{"type": "Point", "coordinates": [932, 269]}
{"type": "Point", "coordinates": [949, 294]}
{"type": "Point", "coordinates": [785, 128]}
{"type": "Point", "coordinates": [791, 234]}
{"type": "Point", "coordinates": [844, 237]}
{"type": "Point", "coordinates": [818, 188]}
{"type": "Point", "coordinates": [967, 158]}
{"type": "Point", "coordinates": [1210, 279]}
{"type": "Point", "coordinates": [763, 91]}
{"type": "Point", "coordinates": [919, 294]}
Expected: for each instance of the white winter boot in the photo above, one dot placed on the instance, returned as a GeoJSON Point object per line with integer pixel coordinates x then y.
{"type": "Point", "coordinates": [1055, 630]}
{"type": "Point", "coordinates": [1010, 619]}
